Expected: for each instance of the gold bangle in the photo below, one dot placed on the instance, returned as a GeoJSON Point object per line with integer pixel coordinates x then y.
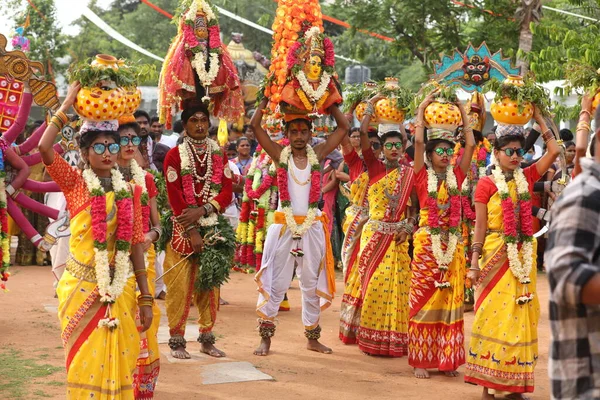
{"type": "Point", "coordinates": [585, 112]}
{"type": "Point", "coordinates": [56, 125]}
{"type": "Point", "coordinates": [62, 116]}
{"type": "Point", "coordinates": [58, 122]}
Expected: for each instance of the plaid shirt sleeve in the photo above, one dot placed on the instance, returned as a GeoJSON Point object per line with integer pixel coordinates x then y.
{"type": "Point", "coordinates": [572, 253]}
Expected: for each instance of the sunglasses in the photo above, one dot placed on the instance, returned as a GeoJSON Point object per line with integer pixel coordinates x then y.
{"type": "Point", "coordinates": [390, 145]}
{"type": "Point", "coordinates": [135, 140]}
{"type": "Point", "coordinates": [100, 148]}
{"type": "Point", "coordinates": [440, 151]}
{"type": "Point", "coordinates": [509, 152]}
{"type": "Point", "coordinates": [375, 145]}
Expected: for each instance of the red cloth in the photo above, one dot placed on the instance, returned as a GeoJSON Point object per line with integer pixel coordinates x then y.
{"type": "Point", "coordinates": [151, 186]}
{"type": "Point", "coordinates": [355, 164]}
{"type": "Point", "coordinates": [421, 184]}
{"type": "Point", "coordinates": [486, 186]}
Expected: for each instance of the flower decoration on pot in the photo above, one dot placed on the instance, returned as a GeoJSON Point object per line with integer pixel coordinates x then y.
{"type": "Point", "coordinates": [292, 18]}
{"type": "Point", "coordinates": [311, 86]}
{"type": "Point", "coordinates": [103, 96]}
{"type": "Point", "coordinates": [198, 65]}
{"type": "Point", "coordinates": [356, 96]}
{"type": "Point", "coordinates": [515, 100]}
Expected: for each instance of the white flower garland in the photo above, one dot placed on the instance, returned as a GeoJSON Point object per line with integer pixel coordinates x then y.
{"type": "Point", "coordinates": [311, 215]}
{"type": "Point", "coordinates": [520, 269]}
{"type": "Point", "coordinates": [190, 15]}
{"type": "Point", "coordinates": [139, 175]}
{"type": "Point", "coordinates": [186, 164]}
{"type": "Point", "coordinates": [442, 258]}
{"type": "Point", "coordinates": [199, 65]}
{"type": "Point", "coordinates": [109, 292]}
{"type": "Point", "coordinates": [314, 95]}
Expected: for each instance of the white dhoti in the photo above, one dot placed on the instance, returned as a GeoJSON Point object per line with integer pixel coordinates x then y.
{"type": "Point", "coordinates": [316, 277]}
{"type": "Point", "coordinates": [158, 266]}
{"type": "Point", "coordinates": [60, 251]}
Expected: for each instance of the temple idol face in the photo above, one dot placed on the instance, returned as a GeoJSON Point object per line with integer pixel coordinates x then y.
{"type": "Point", "coordinates": [313, 68]}
{"type": "Point", "coordinates": [200, 27]}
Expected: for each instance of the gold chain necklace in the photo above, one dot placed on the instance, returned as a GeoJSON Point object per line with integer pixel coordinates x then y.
{"type": "Point", "coordinates": [291, 169]}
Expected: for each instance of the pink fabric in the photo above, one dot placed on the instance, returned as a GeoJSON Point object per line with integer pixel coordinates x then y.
{"type": "Point", "coordinates": [328, 198]}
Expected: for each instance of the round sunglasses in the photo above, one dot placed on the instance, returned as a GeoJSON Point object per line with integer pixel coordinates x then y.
{"type": "Point", "coordinates": [390, 145]}
{"type": "Point", "coordinates": [375, 145]}
{"type": "Point", "coordinates": [125, 140]}
{"type": "Point", "coordinates": [100, 148]}
{"type": "Point", "coordinates": [509, 152]}
{"type": "Point", "coordinates": [440, 151]}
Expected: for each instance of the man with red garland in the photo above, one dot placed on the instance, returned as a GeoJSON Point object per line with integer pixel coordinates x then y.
{"type": "Point", "coordinates": [200, 252]}
{"type": "Point", "coordinates": [298, 225]}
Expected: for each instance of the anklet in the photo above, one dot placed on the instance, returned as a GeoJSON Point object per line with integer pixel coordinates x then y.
{"type": "Point", "coordinates": [207, 337]}
{"type": "Point", "coordinates": [313, 334]}
{"type": "Point", "coordinates": [266, 329]}
{"type": "Point", "coordinates": [176, 342]}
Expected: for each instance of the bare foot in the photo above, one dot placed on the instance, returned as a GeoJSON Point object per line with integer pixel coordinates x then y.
{"type": "Point", "coordinates": [180, 353]}
{"type": "Point", "coordinates": [263, 348]}
{"type": "Point", "coordinates": [421, 373]}
{"type": "Point", "coordinates": [451, 374]}
{"type": "Point", "coordinates": [223, 302]}
{"type": "Point", "coordinates": [516, 396]}
{"type": "Point", "coordinates": [486, 395]}
{"type": "Point", "coordinates": [314, 345]}
{"type": "Point", "coordinates": [211, 350]}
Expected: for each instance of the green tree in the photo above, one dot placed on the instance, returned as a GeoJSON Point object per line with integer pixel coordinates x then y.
{"type": "Point", "coordinates": [47, 43]}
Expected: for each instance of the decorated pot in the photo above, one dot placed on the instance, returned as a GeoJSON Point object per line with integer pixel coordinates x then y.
{"type": "Point", "coordinates": [104, 61]}
{"type": "Point", "coordinates": [133, 99]}
{"type": "Point", "coordinates": [441, 114]}
{"type": "Point", "coordinates": [362, 106]}
{"type": "Point", "coordinates": [100, 104]}
{"type": "Point", "coordinates": [595, 102]}
{"type": "Point", "coordinates": [386, 111]}
{"type": "Point", "coordinates": [507, 111]}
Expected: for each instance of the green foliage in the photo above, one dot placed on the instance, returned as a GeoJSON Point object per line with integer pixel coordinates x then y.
{"type": "Point", "coordinates": [354, 94]}
{"type": "Point", "coordinates": [18, 372]}
{"type": "Point", "coordinates": [215, 261]}
{"type": "Point", "coordinates": [443, 92]}
{"type": "Point", "coordinates": [530, 92]}
{"type": "Point", "coordinates": [132, 75]}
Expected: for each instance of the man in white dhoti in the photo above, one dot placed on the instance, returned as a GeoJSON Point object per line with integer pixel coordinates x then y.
{"type": "Point", "coordinates": [298, 238]}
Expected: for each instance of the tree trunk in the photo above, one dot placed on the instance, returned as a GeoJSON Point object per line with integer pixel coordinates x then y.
{"type": "Point", "coordinates": [525, 45]}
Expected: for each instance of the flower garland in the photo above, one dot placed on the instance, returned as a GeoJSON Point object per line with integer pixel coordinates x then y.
{"type": "Point", "coordinates": [111, 290]}
{"type": "Point", "coordinates": [199, 64]}
{"type": "Point", "coordinates": [443, 259]}
{"type": "Point", "coordinates": [520, 264]}
{"type": "Point", "coordinates": [211, 179]}
{"type": "Point", "coordinates": [286, 201]}
{"type": "Point", "coordinates": [314, 95]}
{"type": "Point", "coordinates": [139, 178]}
{"type": "Point", "coordinates": [4, 237]}
{"type": "Point", "coordinates": [266, 182]}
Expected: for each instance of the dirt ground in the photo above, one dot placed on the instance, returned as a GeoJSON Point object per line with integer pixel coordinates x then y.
{"type": "Point", "coordinates": [26, 326]}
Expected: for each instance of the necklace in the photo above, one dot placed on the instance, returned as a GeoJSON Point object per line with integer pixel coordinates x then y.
{"type": "Point", "coordinates": [291, 169]}
{"type": "Point", "coordinates": [106, 184]}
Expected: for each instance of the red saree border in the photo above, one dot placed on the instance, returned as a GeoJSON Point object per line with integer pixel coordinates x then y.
{"type": "Point", "coordinates": [497, 276]}
{"type": "Point", "coordinates": [90, 327]}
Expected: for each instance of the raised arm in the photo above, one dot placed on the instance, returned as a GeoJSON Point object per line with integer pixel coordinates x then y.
{"type": "Point", "coordinates": [419, 160]}
{"type": "Point", "coordinates": [333, 140]}
{"type": "Point", "coordinates": [582, 135]}
{"type": "Point", "coordinates": [465, 162]}
{"type": "Point", "coordinates": [18, 164]}
{"type": "Point", "coordinates": [552, 149]}
{"type": "Point", "coordinates": [19, 125]}
{"type": "Point", "coordinates": [32, 141]}
{"type": "Point", "coordinates": [273, 149]}
{"type": "Point", "coordinates": [366, 122]}
{"type": "Point", "coordinates": [46, 146]}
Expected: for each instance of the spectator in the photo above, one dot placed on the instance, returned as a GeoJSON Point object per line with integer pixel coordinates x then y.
{"type": "Point", "coordinates": [244, 157]}
{"type": "Point", "coordinates": [573, 262]}
{"type": "Point", "coordinates": [231, 151]}
{"type": "Point", "coordinates": [249, 134]}
{"type": "Point", "coordinates": [157, 133]}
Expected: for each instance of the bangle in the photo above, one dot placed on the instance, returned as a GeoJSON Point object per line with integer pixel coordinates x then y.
{"type": "Point", "coordinates": [189, 228]}
{"type": "Point", "coordinates": [585, 112]}
{"type": "Point", "coordinates": [62, 116]}
{"type": "Point", "coordinates": [474, 269]}
{"type": "Point", "coordinates": [158, 231]}
{"type": "Point", "coordinates": [476, 243]}
{"type": "Point", "coordinates": [583, 126]}
{"type": "Point", "coordinates": [548, 135]}
{"type": "Point", "coordinates": [370, 109]}
{"type": "Point", "coordinates": [57, 122]}
{"type": "Point", "coordinates": [208, 208]}
{"type": "Point", "coordinates": [139, 272]}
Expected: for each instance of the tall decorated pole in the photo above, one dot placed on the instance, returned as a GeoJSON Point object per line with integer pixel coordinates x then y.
{"type": "Point", "coordinates": [290, 19]}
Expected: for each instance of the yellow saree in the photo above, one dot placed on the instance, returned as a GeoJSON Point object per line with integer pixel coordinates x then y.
{"type": "Point", "coordinates": [501, 355]}
{"type": "Point", "coordinates": [99, 361]}
{"type": "Point", "coordinates": [356, 216]}
{"type": "Point", "coordinates": [384, 268]}
{"type": "Point", "coordinates": [436, 328]}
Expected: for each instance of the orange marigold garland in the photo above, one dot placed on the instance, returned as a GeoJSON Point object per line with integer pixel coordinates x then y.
{"type": "Point", "coordinates": [291, 19]}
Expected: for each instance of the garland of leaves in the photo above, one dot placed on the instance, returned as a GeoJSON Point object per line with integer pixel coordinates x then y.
{"type": "Point", "coordinates": [215, 261]}
{"type": "Point", "coordinates": [443, 92]}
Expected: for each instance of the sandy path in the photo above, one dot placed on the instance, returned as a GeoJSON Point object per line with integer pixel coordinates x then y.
{"type": "Point", "coordinates": [298, 373]}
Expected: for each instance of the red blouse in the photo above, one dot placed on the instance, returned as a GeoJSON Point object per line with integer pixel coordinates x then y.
{"type": "Point", "coordinates": [355, 164]}
{"type": "Point", "coordinates": [421, 184]}
{"type": "Point", "coordinates": [486, 186]}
